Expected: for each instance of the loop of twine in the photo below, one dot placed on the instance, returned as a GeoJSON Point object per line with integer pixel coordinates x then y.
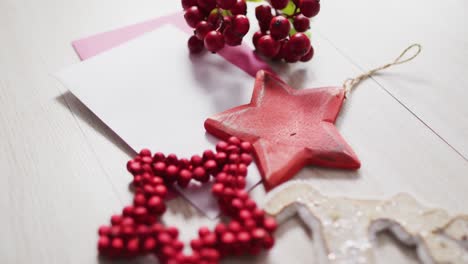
{"type": "Point", "coordinates": [350, 83]}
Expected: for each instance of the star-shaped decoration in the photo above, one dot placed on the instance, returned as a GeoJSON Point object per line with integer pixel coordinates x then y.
{"type": "Point", "coordinates": [288, 128]}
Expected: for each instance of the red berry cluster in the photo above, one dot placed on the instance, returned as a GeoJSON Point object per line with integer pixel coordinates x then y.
{"type": "Point", "coordinates": [276, 39]}
{"type": "Point", "coordinates": [137, 230]}
{"type": "Point", "coordinates": [216, 23]}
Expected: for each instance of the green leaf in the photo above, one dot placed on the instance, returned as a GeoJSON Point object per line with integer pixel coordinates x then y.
{"type": "Point", "coordinates": [289, 9]}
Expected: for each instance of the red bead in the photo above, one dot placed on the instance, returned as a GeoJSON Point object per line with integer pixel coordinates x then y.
{"type": "Point", "coordinates": [104, 230]}
{"type": "Point", "coordinates": [178, 245]}
{"type": "Point", "coordinates": [209, 240]}
{"type": "Point", "coordinates": [269, 224]}
{"type": "Point", "coordinates": [156, 228]}
{"type": "Point", "coordinates": [203, 231]}
{"type": "Point", "coordinates": [234, 158]}
{"type": "Point", "coordinates": [220, 229]}
{"type": "Point", "coordinates": [240, 182]}
{"type": "Point", "coordinates": [268, 242]}
{"type": "Point", "coordinates": [134, 167]}
{"type": "Point", "coordinates": [196, 160]}
{"type": "Point", "coordinates": [243, 237]}
{"type": "Point", "coordinates": [234, 141]}
{"type": "Point", "coordinates": [173, 231]}
{"type": "Point", "coordinates": [246, 159]}
{"type": "Point", "coordinates": [258, 214]}
{"type": "Point", "coordinates": [250, 224]}
{"type": "Point", "coordinates": [210, 254]}
{"type": "Point", "coordinates": [232, 149]}
{"type": "Point", "coordinates": [103, 243]}
{"type": "Point", "coordinates": [160, 190]}
{"type": "Point", "coordinates": [221, 157]}
{"type": "Point", "coordinates": [159, 167]}
{"type": "Point", "coordinates": [133, 245]}
{"type": "Point", "coordinates": [245, 215]}
{"type": "Point", "coordinates": [158, 156]}
{"type": "Point", "coordinates": [148, 189]}
{"type": "Point", "coordinates": [149, 244]}
{"type": "Point", "coordinates": [143, 231]}
{"type": "Point", "coordinates": [208, 155]}
{"type": "Point", "coordinates": [172, 172]}
{"type": "Point", "coordinates": [155, 203]}
{"type": "Point", "coordinates": [140, 212]}
{"type": "Point", "coordinates": [196, 244]}
{"type": "Point", "coordinates": [228, 238]}
{"type": "Point", "coordinates": [164, 238]}
{"type": "Point", "coordinates": [117, 244]}
{"type": "Point", "coordinates": [200, 174]}
{"type": "Point", "coordinates": [237, 203]}
{"type": "Point", "coordinates": [242, 194]}
{"type": "Point", "coordinates": [139, 200]}
{"type": "Point", "coordinates": [146, 160]}
{"type": "Point", "coordinates": [116, 219]}
{"type": "Point", "coordinates": [157, 180]}
{"type": "Point", "coordinates": [259, 234]}
{"type": "Point", "coordinates": [184, 178]}
{"type": "Point", "coordinates": [242, 169]}
{"type": "Point", "coordinates": [168, 252]}
{"type": "Point", "coordinates": [210, 165]}
{"type": "Point", "coordinates": [234, 226]}
{"type": "Point", "coordinates": [217, 189]}
{"type": "Point", "coordinates": [250, 204]}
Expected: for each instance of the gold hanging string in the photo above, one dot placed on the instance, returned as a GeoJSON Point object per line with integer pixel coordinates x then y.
{"type": "Point", "coordinates": [350, 83]}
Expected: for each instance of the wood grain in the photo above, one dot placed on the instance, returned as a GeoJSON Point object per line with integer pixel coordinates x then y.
{"type": "Point", "coordinates": [63, 170]}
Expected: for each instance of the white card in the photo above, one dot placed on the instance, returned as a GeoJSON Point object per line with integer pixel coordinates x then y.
{"type": "Point", "coordinates": [155, 95]}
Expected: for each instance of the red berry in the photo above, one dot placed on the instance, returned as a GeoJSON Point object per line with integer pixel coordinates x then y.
{"type": "Point", "coordinates": [196, 160]}
{"type": "Point", "coordinates": [117, 244]}
{"type": "Point", "coordinates": [301, 23]}
{"type": "Point", "coordinates": [149, 244]}
{"type": "Point", "coordinates": [240, 25]}
{"type": "Point", "coordinates": [160, 190]}
{"type": "Point", "coordinates": [202, 29]}
{"type": "Point", "coordinates": [256, 37]}
{"type": "Point", "coordinates": [240, 8]}
{"type": "Point", "coordinates": [214, 41]}
{"type": "Point", "coordinates": [193, 15]}
{"type": "Point", "coordinates": [196, 244]}
{"type": "Point", "coordinates": [263, 14]}
{"type": "Point", "coordinates": [268, 46]}
{"type": "Point", "coordinates": [231, 38]}
{"type": "Point", "coordinates": [226, 4]}
{"type": "Point", "coordinates": [203, 231]}
{"type": "Point", "coordinates": [195, 45]}
{"type": "Point", "coordinates": [214, 18]}
{"type": "Point", "coordinates": [279, 27]}
{"type": "Point", "coordinates": [217, 189]}
{"type": "Point", "coordinates": [309, 8]}
{"type": "Point", "coordinates": [207, 5]}
{"type": "Point", "coordinates": [188, 3]}
{"type": "Point", "coordinates": [279, 4]}
{"type": "Point", "coordinates": [309, 55]}
{"type": "Point", "coordinates": [228, 238]}
{"type": "Point", "coordinates": [299, 44]}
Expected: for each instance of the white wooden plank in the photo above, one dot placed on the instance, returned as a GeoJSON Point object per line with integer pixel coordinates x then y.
{"type": "Point", "coordinates": [372, 33]}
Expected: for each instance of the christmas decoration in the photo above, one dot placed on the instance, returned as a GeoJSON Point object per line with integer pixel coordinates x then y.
{"type": "Point", "coordinates": [288, 128]}
{"type": "Point", "coordinates": [283, 35]}
{"type": "Point", "coordinates": [137, 230]}
{"type": "Point", "coordinates": [345, 228]}
{"type": "Point", "coordinates": [223, 22]}
{"type": "Point", "coordinates": [293, 128]}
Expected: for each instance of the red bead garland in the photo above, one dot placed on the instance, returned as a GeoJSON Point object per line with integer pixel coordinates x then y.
{"type": "Point", "coordinates": [137, 231]}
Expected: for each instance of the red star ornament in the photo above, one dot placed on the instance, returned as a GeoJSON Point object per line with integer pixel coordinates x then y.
{"type": "Point", "coordinates": [288, 128]}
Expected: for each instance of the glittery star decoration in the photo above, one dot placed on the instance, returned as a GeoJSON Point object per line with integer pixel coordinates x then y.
{"type": "Point", "coordinates": [288, 128]}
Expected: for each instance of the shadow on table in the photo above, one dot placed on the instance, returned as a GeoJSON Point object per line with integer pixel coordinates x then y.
{"type": "Point", "coordinates": [79, 110]}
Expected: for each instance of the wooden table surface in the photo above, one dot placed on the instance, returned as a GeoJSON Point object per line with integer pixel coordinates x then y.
{"type": "Point", "coordinates": [62, 169]}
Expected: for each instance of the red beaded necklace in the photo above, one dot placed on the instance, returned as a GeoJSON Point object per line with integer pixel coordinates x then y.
{"type": "Point", "coordinates": [137, 231]}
